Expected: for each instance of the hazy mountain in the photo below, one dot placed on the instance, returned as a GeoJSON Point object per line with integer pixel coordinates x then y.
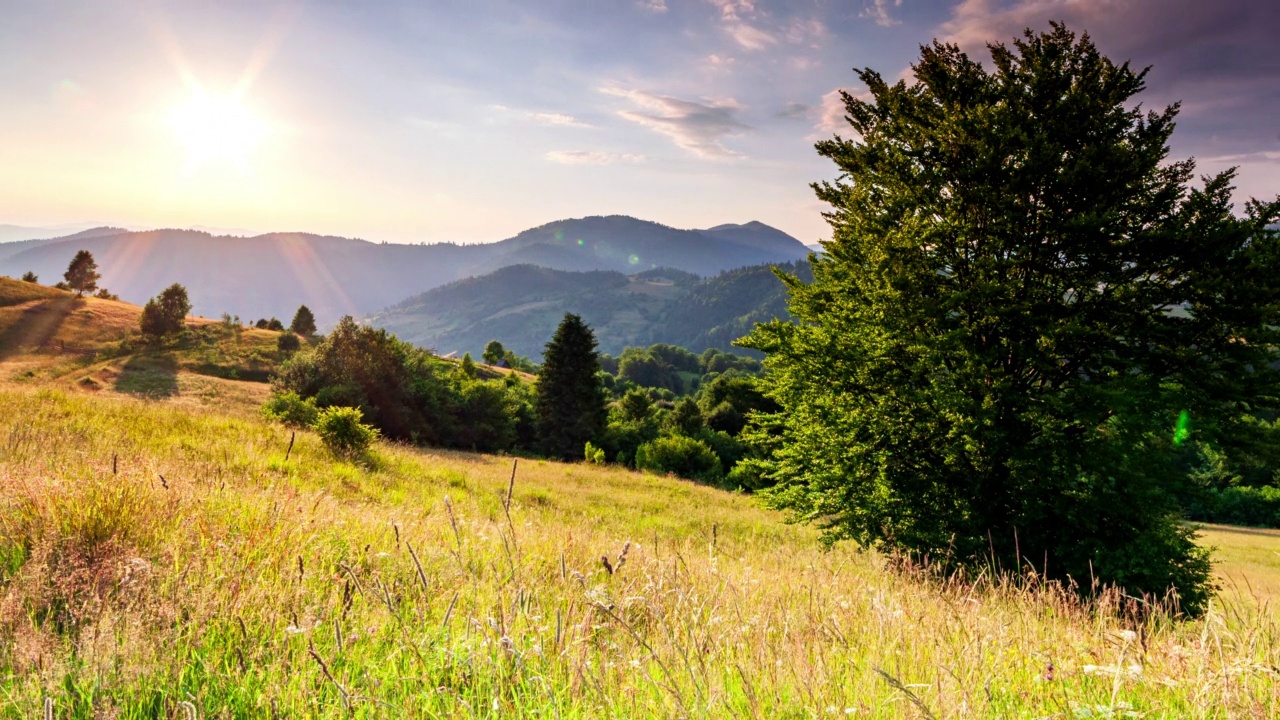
{"type": "Point", "coordinates": [274, 273]}
{"type": "Point", "coordinates": [13, 247]}
{"type": "Point", "coordinates": [521, 306]}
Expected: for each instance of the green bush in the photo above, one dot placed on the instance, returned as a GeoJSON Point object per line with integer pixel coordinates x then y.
{"type": "Point", "coordinates": [593, 454]}
{"type": "Point", "coordinates": [1254, 506]}
{"type": "Point", "coordinates": [291, 409]}
{"type": "Point", "coordinates": [683, 456]}
{"type": "Point", "coordinates": [288, 343]}
{"type": "Point", "coordinates": [344, 433]}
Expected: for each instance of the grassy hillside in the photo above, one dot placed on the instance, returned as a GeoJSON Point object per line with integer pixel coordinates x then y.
{"type": "Point", "coordinates": [154, 555]}
{"type": "Point", "coordinates": [51, 337]}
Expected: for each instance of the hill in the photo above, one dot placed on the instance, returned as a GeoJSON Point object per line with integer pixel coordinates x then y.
{"type": "Point", "coordinates": [522, 305]}
{"type": "Point", "coordinates": [274, 273]}
{"type": "Point", "coordinates": [162, 560]}
{"type": "Point", "coordinates": [51, 337]}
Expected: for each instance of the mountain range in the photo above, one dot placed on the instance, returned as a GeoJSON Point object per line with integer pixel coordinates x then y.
{"type": "Point", "coordinates": [273, 274]}
{"type": "Point", "coordinates": [521, 306]}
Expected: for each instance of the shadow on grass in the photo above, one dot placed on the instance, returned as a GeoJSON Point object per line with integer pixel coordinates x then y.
{"type": "Point", "coordinates": [36, 326]}
{"type": "Point", "coordinates": [154, 376]}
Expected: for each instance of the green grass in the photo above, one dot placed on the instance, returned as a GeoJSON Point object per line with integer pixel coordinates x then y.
{"type": "Point", "coordinates": [211, 570]}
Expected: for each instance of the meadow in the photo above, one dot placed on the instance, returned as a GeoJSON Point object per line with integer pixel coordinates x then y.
{"type": "Point", "coordinates": [181, 557]}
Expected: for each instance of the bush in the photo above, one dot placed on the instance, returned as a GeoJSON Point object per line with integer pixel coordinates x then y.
{"type": "Point", "coordinates": [291, 409]}
{"type": "Point", "coordinates": [344, 433]}
{"type": "Point", "coordinates": [1255, 506]}
{"type": "Point", "coordinates": [593, 454]}
{"type": "Point", "coordinates": [688, 458]}
{"type": "Point", "coordinates": [288, 343]}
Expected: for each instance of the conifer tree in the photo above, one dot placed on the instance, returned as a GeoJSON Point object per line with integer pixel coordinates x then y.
{"type": "Point", "coordinates": [570, 399]}
{"type": "Point", "coordinates": [82, 273]}
{"type": "Point", "coordinates": [304, 322]}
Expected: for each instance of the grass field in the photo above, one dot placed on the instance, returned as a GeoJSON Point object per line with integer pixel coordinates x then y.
{"type": "Point", "coordinates": [160, 558]}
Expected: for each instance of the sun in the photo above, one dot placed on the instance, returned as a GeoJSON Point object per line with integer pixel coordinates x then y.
{"type": "Point", "coordinates": [217, 130]}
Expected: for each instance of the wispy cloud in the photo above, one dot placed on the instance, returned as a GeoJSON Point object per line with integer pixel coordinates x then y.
{"type": "Point", "coordinates": [591, 157]}
{"type": "Point", "coordinates": [878, 11]}
{"type": "Point", "coordinates": [653, 6]}
{"type": "Point", "coordinates": [697, 127]}
{"type": "Point", "coordinates": [559, 119]}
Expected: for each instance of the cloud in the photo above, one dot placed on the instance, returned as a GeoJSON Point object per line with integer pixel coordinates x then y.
{"type": "Point", "coordinates": [559, 119]}
{"type": "Point", "coordinates": [653, 6]}
{"type": "Point", "coordinates": [750, 37]}
{"type": "Point", "coordinates": [878, 10]}
{"type": "Point", "coordinates": [696, 127]}
{"type": "Point", "coordinates": [591, 157]}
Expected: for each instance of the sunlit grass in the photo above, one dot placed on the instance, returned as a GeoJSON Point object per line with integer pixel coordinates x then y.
{"type": "Point", "coordinates": [244, 583]}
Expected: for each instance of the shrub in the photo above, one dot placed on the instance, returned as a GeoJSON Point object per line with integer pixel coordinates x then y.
{"type": "Point", "coordinates": [1255, 506]}
{"type": "Point", "coordinates": [30, 277]}
{"type": "Point", "coordinates": [593, 454]}
{"type": "Point", "coordinates": [344, 433]}
{"type": "Point", "coordinates": [291, 409]}
{"type": "Point", "coordinates": [683, 456]}
{"type": "Point", "coordinates": [288, 343]}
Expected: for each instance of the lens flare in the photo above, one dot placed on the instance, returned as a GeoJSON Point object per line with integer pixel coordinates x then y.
{"type": "Point", "coordinates": [1182, 431]}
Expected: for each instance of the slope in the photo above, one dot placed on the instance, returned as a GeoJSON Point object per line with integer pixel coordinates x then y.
{"type": "Point", "coordinates": [161, 561]}
{"type": "Point", "coordinates": [522, 305]}
{"type": "Point", "coordinates": [272, 274]}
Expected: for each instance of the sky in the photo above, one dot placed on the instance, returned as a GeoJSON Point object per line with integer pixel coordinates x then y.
{"type": "Point", "coordinates": [469, 121]}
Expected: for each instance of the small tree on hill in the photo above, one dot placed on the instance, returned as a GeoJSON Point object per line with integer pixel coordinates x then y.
{"type": "Point", "coordinates": [304, 323]}
{"type": "Point", "coordinates": [571, 402]}
{"type": "Point", "coordinates": [30, 277]}
{"type": "Point", "coordinates": [493, 353]}
{"type": "Point", "coordinates": [82, 274]}
{"type": "Point", "coordinates": [468, 365]}
{"type": "Point", "coordinates": [1020, 299]}
{"type": "Point", "coordinates": [164, 314]}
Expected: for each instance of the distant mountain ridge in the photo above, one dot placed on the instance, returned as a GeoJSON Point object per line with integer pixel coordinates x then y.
{"type": "Point", "coordinates": [272, 274]}
{"type": "Point", "coordinates": [521, 306]}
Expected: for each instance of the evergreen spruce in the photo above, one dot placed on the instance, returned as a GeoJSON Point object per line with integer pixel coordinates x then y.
{"type": "Point", "coordinates": [304, 322]}
{"type": "Point", "coordinates": [570, 401]}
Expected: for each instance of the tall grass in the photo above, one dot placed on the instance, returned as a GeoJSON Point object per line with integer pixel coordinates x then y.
{"type": "Point", "coordinates": [208, 574]}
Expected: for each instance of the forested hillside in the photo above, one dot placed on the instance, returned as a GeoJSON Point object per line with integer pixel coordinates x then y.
{"type": "Point", "coordinates": [521, 306]}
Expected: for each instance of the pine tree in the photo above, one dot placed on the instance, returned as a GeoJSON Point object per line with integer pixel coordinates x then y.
{"type": "Point", "coordinates": [1020, 297]}
{"type": "Point", "coordinates": [82, 274]}
{"type": "Point", "coordinates": [304, 322]}
{"type": "Point", "coordinates": [570, 401]}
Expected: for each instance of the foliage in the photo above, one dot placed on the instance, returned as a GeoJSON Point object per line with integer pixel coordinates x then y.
{"type": "Point", "coordinates": [593, 454]}
{"type": "Point", "coordinates": [686, 418]}
{"type": "Point", "coordinates": [493, 353]}
{"type": "Point", "coordinates": [343, 432]}
{"type": "Point", "coordinates": [304, 322]}
{"type": "Point", "coordinates": [571, 402]}
{"type": "Point", "coordinates": [164, 314]}
{"type": "Point", "coordinates": [1019, 298]}
{"type": "Point", "coordinates": [288, 343]}
{"type": "Point", "coordinates": [291, 409]}
{"type": "Point", "coordinates": [681, 456]}
{"type": "Point", "coordinates": [30, 277]}
{"type": "Point", "coordinates": [634, 405]}
{"type": "Point", "coordinates": [275, 324]}
{"type": "Point", "coordinates": [82, 273]}
{"type": "Point", "coordinates": [105, 294]}
{"type": "Point", "coordinates": [468, 366]}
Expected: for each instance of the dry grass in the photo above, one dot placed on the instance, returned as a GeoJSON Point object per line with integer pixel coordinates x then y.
{"type": "Point", "coordinates": [209, 570]}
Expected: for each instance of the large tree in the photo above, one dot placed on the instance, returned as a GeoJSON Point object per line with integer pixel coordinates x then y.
{"type": "Point", "coordinates": [571, 401]}
{"type": "Point", "coordinates": [82, 273]}
{"type": "Point", "coordinates": [1020, 298]}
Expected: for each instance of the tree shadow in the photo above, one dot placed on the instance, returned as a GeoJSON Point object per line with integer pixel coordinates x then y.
{"type": "Point", "coordinates": [152, 376]}
{"type": "Point", "coordinates": [36, 326]}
